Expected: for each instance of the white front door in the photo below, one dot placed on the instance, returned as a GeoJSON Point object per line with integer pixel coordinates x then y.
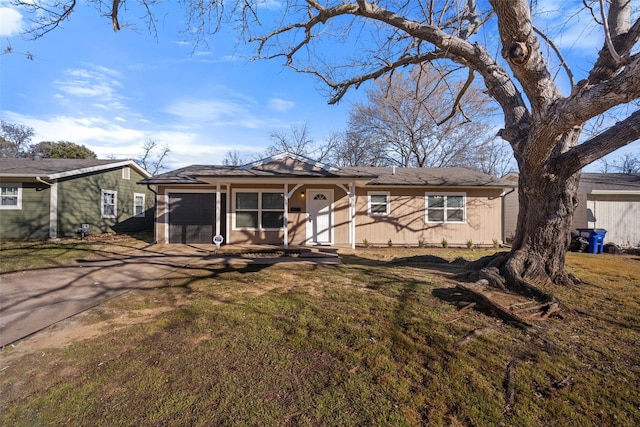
{"type": "Point", "coordinates": [320, 220]}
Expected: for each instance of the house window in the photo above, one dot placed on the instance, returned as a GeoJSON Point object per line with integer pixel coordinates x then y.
{"type": "Point", "coordinates": [379, 203]}
{"type": "Point", "coordinates": [259, 210]}
{"type": "Point", "coordinates": [11, 196]}
{"type": "Point", "coordinates": [108, 207]}
{"type": "Point", "coordinates": [126, 172]}
{"type": "Point", "coordinates": [449, 207]}
{"type": "Point", "coordinates": [138, 205]}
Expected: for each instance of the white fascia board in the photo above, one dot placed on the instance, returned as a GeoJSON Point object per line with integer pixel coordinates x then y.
{"type": "Point", "coordinates": [617, 192]}
{"type": "Point", "coordinates": [99, 168]}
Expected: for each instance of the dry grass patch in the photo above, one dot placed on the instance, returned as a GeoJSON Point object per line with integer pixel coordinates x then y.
{"type": "Point", "coordinates": [368, 342]}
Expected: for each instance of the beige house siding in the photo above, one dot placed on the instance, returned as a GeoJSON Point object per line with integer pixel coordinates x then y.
{"type": "Point", "coordinates": [296, 215]}
{"type": "Point", "coordinates": [406, 223]}
{"type": "Point", "coordinates": [618, 214]}
{"type": "Point", "coordinates": [605, 201]}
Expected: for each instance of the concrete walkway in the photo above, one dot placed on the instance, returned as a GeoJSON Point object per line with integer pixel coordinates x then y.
{"type": "Point", "coordinates": [33, 300]}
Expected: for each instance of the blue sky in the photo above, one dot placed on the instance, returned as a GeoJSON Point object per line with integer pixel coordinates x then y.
{"type": "Point", "coordinates": [112, 91]}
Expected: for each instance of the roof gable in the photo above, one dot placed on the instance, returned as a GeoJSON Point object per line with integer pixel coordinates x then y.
{"type": "Point", "coordinates": [288, 162]}
{"type": "Point", "coordinates": [61, 168]}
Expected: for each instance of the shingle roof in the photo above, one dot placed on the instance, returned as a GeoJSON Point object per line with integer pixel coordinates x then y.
{"type": "Point", "coordinates": [431, 176]}
{"type": "Point", "coordinates": [610, 181]}
{"type": "Point", "coordinates": [55, 168]}
{"type": "Point", "coordinates": [289, 166]}
{"type": "Point", "coordinates": [602, 181]}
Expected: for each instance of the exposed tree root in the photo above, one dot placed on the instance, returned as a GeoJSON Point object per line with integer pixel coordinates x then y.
{"type": "Point", "coordinates": [518, 273]}
{"type": "Point", "coordinates": [510, 386]}
{"type": "Point", "coordinates": [504, 285]}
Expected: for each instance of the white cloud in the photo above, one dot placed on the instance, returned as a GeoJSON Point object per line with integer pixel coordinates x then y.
{"type": "Point", "coordinates": [570, 25]}
{"type": "Point", "coordinates": [95, 82]}
{"type": "Point", "coordinates": [116, 137]}
{"type": "Point", "coordinates": [237, 113]}
{"type": "Point", "coordinates": [280, 105]}
{"type": "Point", "coordinates": [10, 22]}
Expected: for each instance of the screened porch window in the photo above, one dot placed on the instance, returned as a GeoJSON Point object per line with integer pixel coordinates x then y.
{"type": "Point", "coordinates": [446, 208]}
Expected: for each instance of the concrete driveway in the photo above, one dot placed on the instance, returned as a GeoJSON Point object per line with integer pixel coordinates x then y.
{"type": "Point", "coordinates": [33, 300]}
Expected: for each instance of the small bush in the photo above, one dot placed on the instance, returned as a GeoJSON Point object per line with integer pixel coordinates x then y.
{"type": "Point", "coordinates": [421, 243]}
{"type": "Point", "coordinates": [445, 244]}
{"type": "Point", "coordinates": [390, 243]}
{"type": "Point", "coordinates": [366, 243]}
{"type": "Point", "coordinates": [469, 244]}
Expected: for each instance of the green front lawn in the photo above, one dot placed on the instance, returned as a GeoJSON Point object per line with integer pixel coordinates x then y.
{"type": "Point", "coordinates": [371, 342]}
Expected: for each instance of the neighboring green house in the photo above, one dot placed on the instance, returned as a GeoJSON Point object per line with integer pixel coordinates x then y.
{"type": "Point", "coordinates": [52, 198]}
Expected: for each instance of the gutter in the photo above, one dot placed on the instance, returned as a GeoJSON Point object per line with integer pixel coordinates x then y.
{"type": "Point", "coordinates": [155, 205]}
{"type": "Point", "coordinates": [43, 181]}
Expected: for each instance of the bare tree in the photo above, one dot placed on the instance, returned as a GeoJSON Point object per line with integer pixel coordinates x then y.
{"type": "Point", "coordinates": [354, 149]}
{"type": "Point", "coordinates": [296, 140]}
{"type": "Point", "coordinates": [627, 163]}
{"type": "Point", "coordinates": [233, 158]}
{"type": "Point", "coordinates": [153, 156]}
{"type": "Point", "coordinates": [15, 139]}
{"type": "Point", "coordinates": [492, 156]}
{"type": "Point", "coordinates": [413, 120]}
{"type": "Point", "coordinates": [542, 125]}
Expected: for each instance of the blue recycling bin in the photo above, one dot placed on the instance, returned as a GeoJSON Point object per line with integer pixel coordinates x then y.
{"type": "Point", "coordinates": [595, 236]}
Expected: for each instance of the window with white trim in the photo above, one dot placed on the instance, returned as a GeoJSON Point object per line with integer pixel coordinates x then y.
{"type": "Point", "coordinates": [379, 203]}
{"type": "Point", "coordinates": [11, 196]}
{"type": "Point", "coordinates": [126, 172]}
{"type": "Point", "coordinates": [445, 207]}
{"type": "Point", "coordinates": [263, 210]}
{"type": "Point", "coordinates": [138, 205]}
{"type": "Point", "coordinates": [109, 204]}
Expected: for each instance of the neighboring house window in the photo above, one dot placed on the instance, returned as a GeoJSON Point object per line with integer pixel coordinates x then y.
{"type": "Point", "coordinates": [109, 206]}
{"type": "Point", "coordinates": [126, 172]}
{"type": "Point", "coordinates": [259, 209]}
{"type": "Point", "coordinates": [138, 204]}
{"type": "Point", "coordinates": [448, 207]}
{"type": "Point", "coordinates": [11, 196]}
{"type": "Point", "coordinates": [379, 203]}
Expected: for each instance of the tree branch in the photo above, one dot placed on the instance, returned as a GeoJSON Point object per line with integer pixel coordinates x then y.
{"type": "Point", "coordinates": [456, 104]}
{"type": "Point", "coordinates": [557, 51]}
{"type": "Point", "coordinates": [617, 136]}
{"type": "Point", "coordinates": [114, 15]}
{"type": "Point", "coordinates": [592, 100]}
{"type": "Point", "coordinates": [605, 67]}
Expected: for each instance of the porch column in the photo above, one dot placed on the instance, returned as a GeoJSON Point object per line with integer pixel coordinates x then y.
{"type": "Point", "coordinates": [287, 195]}
{"type": "Point", "coordinates": [352, 212]}
{"type": "Point", "coordinates": [218, 207]}
{"type": "Point", "coordinates": [53, 210]}
{"type": "Point", "coordinates": [352, 218]}
{"type": "Point", "coordinates": [227, 214]}
{"type": "Point", "coordinates": [286, 216]}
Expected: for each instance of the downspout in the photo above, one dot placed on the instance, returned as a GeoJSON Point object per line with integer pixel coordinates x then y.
{"type": "Point", "coordinates": [53, 207]}
{"type": "Point", "coordinates": [155, 219]}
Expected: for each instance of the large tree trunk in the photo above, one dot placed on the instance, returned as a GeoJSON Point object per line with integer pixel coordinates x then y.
{"type": "Point", "coordinates": [547, 202]}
